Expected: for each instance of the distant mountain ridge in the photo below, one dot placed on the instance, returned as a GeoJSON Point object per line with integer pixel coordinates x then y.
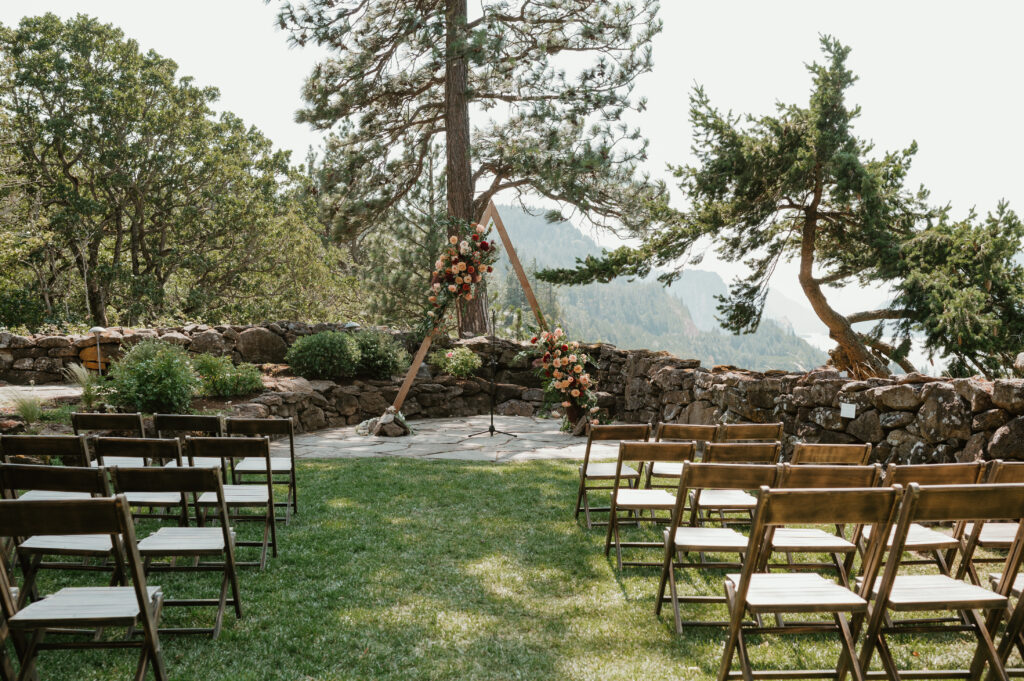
{"type": "Point", "coordinates": [644, 314]}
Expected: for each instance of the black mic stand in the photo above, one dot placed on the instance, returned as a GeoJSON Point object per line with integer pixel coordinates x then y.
{"type": "Point", "coordinates": [493, 361]}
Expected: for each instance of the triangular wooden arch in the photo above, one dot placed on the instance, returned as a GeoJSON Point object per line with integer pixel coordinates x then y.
{"type": "Point", "coordinates": [490, 214]}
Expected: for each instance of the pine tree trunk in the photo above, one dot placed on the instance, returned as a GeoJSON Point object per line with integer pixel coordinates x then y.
{"type": "Point", "coordinates": [473, 318]}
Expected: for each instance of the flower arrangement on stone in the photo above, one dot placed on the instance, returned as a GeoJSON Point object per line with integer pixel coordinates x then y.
{"type": "Point", "coordinates": [563, 366]}
{"type": "Point", "coordinates": [460, 267]}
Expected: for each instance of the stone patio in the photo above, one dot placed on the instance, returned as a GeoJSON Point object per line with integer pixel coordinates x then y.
{"type": "Point", "coordinates": [449, 439]}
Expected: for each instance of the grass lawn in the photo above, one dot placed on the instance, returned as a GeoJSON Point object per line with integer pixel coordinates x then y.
{"type": "Point", "coordinates": [400, 569]}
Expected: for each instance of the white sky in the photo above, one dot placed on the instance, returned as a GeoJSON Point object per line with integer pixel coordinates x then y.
{"type": "Point", "coordinates": [947, 74]}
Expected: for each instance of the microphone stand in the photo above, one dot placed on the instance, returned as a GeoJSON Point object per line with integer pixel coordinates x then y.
{"type": "Point", "coordinates": [493, 361]}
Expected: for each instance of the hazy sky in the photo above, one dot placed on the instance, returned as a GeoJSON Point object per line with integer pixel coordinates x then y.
{"type": "Point", "coordinates": [947, 74]}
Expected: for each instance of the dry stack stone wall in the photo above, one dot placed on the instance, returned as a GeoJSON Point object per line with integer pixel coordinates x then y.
{"type": "Point", "coordinates": [911, 418]}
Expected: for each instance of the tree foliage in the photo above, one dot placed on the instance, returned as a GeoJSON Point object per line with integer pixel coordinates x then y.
{"type": "Point", "coordinates": [801, 185]}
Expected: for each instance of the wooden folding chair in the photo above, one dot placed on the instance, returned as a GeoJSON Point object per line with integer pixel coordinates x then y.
{"type": "Point", "coordinates": [682, 539]}
{"type": "Point", "coordinates": [69, 450]}
{"type": "Point", "coordinates": [135, 452]}
{"type": "Point", "coordinates": [995, 536]}
{"type": "Point", "coordinates": [596, 472]}
{"type": "Point", "coordinates": [907, 593]}
{"type": "Point", "coordinates": [283, 468]}
{"type": "Point", "coordinates": [197, 543]}
{"type": "Point", "coordinates": [128, 425]}
{"type": "Point", "coordinates": [190, 425]}
{"type": "Point", "coordinates": [804, 593]}
{"type": "Point", "coordinates": [51, 483]}
{"type": "Point", "coordinates": [737, 503]}
{"type": "Point", "coordinates": [636, 501]}
{"type": "Point", "coordinates": [832, 455]}
{"type": "Point", "coordinates": [668, 471]}
{"type": "Point", "coordinates": [238, 497]}
{"type": "Point", "coordinates": [83, 610]}
{"type": "Point", "coordinates": [750, 432]}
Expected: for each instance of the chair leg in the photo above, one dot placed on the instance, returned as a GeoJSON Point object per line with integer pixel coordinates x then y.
{"type": "Point", "coordinates": [612, 524]}
{"type": "Point", "coordinates": [986, 647]}
{"type": "Point", "coordinates": [849, 649]}
{"type": "Point", "coordinates": [28, 660]}
{"type": "Point", "coordinates": [273, 530]}
{"type": "Point", "coordinates": [734, 631]}
{"type": "Point", "coordinates": [579, 495]}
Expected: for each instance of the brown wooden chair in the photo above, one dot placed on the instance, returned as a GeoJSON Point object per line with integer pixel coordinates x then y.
{"type": "Point", "coordinates": [137, 608]}
{"type": "Point", "coordinates": [731, 504]}
{"type": "Point", "coordinates": [932, 593]}
{"type": "Point", "coordinates": [70, 450]}
{"type": "Point", "coordinates": [683, 539]}
{"type": "Point", "coordinates": [667, 471]}
{"type": "Point", "coordinates": [597, 472]}
{"type": "Point", "coordinates": [778, 594]}
{"type": "Point", "coordinates": [136, 452]}
{"type": "Point", "coordinates": [129, 425]}
{"type": "Point", "coordinates": [192, 425]}
{"type": "Point", "coordinates": [238, 497]}
{"type": "Point", "coordinates": [995, 536]}
{"type": "Point", "coordinates": [637, 501]}
{"type": "Point", "coordinates": [283, 468]}
{"type": "Point", "coordinates": [750, 432]}
{"type": "Point", "coordinates": [832, 455]}
{"type": "Point", "coordinates": [60, 483]}
{"type": "Point", "coordinates": [198, 543]}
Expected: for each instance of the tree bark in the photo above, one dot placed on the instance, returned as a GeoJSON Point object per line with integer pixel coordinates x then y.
{"type": "Point", "coordinates": [851, 355]}
{"type": "Point", "coordinates": [473, 317]}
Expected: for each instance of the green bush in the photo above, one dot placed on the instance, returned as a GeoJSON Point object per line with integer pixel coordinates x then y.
{"type": "Point", "coordinates": [461, 362]}
{"type": "Point", "coordinates": [331, 355]}
{"type": "Point", "coordinates": [219, 377]}
{"type": "Point", "coordinates": [380, 355]}
{"type": "Point", "coordinates": [153, 377]}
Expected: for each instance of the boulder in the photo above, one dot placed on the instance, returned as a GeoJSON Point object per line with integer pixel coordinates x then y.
{"type": "Point", "coordinates": [974, 450]}
{"type": "Point", "coordinates": [1018, 364]}
{"type": "Point", "coordinates": [866, 427]}
{"type": "Point", "coordinates": [250, 410]}
{"type": "Point", "coordinates": [989, 420]}
{"type": "Point", "coordinates": [514, 408]}
{"type": "Point", "coordinates": [827, 418]}
{"type": "Point", "coordinates": [1008, 393]}
{"type": "Point", "coordinates": [943, 414]}
{"type": "Point", "coordinates": [176, 338]}
{"type": "Point", "coordinates": [899, 397]}
{"type": "Point", "coordinates": [12, 340]}
{"type": "Point", "coordinates": [53, 342]}
{"type": "Point", "coordinates": [106, 336]}
{"type": "Point", "coordinates": [1008, 441]}
{"type": "Point", "coordinates": [209, 342]}
{"type": "Point", "coordinates": [978, 393]}
{"type": "Point", "coordinates": [260, 346]}
{"type": "Point", "coordinates": [287, 384]}
{"type": "Point", "coordinates": [896, 419]}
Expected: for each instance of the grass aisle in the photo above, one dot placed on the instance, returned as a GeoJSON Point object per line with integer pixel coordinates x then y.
{"type": "Point", "coordinates": [401, 570]}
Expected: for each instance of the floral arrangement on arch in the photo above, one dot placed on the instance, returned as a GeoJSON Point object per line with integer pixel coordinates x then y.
{"type": "Point", "coordinates": [460, 267]}
{"type": "Point", "coordinates": [563, 368]}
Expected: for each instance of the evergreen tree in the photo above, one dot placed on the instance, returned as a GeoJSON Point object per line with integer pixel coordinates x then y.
{"type": "Point", "coordinates": [799, 184]}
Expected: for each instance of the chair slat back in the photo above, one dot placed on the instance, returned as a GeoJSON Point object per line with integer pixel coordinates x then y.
{"type": "Point", "coordinates": [152, 449]}
{"type": "Point", "coordinates": [742, 452]}
{"type": "Point", "coordinates": [828, 476]}
{"type": "Point", "coordinates": [63, 516]}
{"type": "Point", "coordinates": [849, 455]}
{"type": "Point", "coordinates": [228, 447]}
{"type": "Point", "coordinates": [946, 503]}
{"type": "Point", "coordinates": [727, 476]}
{"type": "Point", "coordinates": [127, 424]}
{"type": "Point", "coordinates": [850, 506]}
{"type": "Point", "coordinates": [749, 432]}
{"type": "Point", "coordinates": [620, 432]}
{"type": "Point", "coordinates": [685, 431]}
{"type": "Point", "coordinates": [935, 473]}
{"type": "Point", "coordinates": [87, 479]}
{"type": "Point", "coordinates": [70, 448]}
{"type": "Point", "coordinates": [241, 426]}
{"type": "Point", "coordinates": [656, 451]}
{"type": "Point", "coordinates": [188, 423]}
{"type": "Point", "coordinates": [1005, 471]}
{"type": "Point", "coordinates": [189, 480]}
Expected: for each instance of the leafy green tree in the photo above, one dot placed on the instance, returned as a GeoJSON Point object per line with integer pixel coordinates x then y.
{"type": "Point", "coordinates": [801, 185]}
{"type": "Point", "coordinates": [558, 75]}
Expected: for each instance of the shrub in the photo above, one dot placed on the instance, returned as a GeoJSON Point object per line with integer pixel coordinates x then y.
{"type": "Point", "coordinates": [87, 381]}
{"type": "Point", "coordinates": [380, 355]}
{"type": "Point", "coordinates": [28, 407]}
{"type": "Point", "coordinates": [330, 354]}
{"type": "Point", "coordinates": [461, 362]}
{"type": "Point", "coordinates": [153, 377]}
{"type": "Point", "coordinates": [219, 377]}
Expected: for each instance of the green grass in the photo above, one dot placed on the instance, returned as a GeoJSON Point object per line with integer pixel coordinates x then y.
{"type": "Point", "coordinates": [401, 570]}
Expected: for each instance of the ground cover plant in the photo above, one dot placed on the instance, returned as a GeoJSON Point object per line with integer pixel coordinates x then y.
{"type": "Point", "coordinates": [398, 570]}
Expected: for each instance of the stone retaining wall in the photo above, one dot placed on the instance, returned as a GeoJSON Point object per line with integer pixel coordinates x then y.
{"type": "Point", "coordinates": [910, 418]}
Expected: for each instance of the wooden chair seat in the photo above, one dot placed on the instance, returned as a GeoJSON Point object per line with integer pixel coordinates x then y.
{"type": "Point", "coordinates": [921, 538]}
{"type": "Point", "coordinates": [126, 461]}
{"type": "Point", "coordinates": [153, 498]}
{"type": "Point", "coordinates": [238, 495]}
{"type": "Point", "coordinates": [809, 540]}
{"type": "Point", "coordinates": [710, 539]}
{"type": "Point", "coordinates": [1018, 583]}
{"type": "Point", "coordinates": [51, 495]}
{"type": "Point", "coordinates": [93, 606]}
{"type": "Point", "coordinates": [626, 497]}
{"type": "Point", "coordinates": [197, 462]}
{"type": "Point", "coordinates": [798, 593]}
{"type": "Point", "coordinates": [278, 464]}
{"type": "Point", "coordinates": [177, 541]}
{"type": "Point", "coordinates": [68, 544]}
{"type": "Point", "coordinates": [920, 592]}
{"type": "Point", "coordinates": [606, 471]}
{"type": "Point", "coordinates": [994, 535]}
{"type": "Point", "coordinates": [728, 499]}
{"type": "Point", "coordinates": [666, 469]}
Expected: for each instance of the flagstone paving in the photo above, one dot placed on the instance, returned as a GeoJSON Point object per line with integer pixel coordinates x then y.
{"type": "Point", "coordinates": [450, 439]}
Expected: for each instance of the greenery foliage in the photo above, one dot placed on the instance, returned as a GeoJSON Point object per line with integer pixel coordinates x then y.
{"type": "Point", "coordinates": [380, 354]}
{"type": "Point", "coordinates": [153, 377]}
{"type": "Point", "coordinates": [89, 382]}
{"type": "Point", "coordinates": [460, 362]}
{"type": "Point", "coordinates": [328, 355]}
{"type": "Point", "coordinates": [220, 377]}
{"type": "Point", "coordinates": [27, 406]}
